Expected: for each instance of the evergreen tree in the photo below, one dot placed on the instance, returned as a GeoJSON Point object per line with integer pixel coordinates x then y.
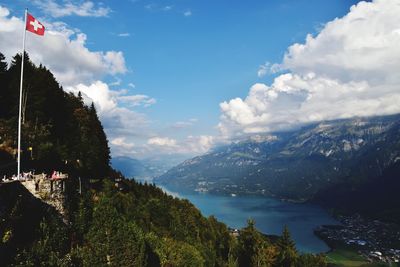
{"type": "Point", "coordinates": [287, 250]}
{"type": "Point", "coordinates": [251, 246]}
{"type": "Point", "coordinates": [113, 240]}
{"type": "Point", "coordinates": [4, 80]}
{"type": "Point", "coordinates": [51, 247]}
{"type": "Point", "coordinates": [3, 63]}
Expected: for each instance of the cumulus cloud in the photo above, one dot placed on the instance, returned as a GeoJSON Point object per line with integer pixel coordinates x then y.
{"type": "Point", "coordinates": [108, 101]}
{"type": "Point", "coordinates": [98, 93]}
{"type": "Point", "coordinates": [62, 49]}
{"type": "Point", "coordinates": [268, 68]}
{"type": "Point", "coordinates": [191, 145]}
{"type": "Point", "coordinates": [198, 144]}
{"type": "Point", "coordinates": [121, 124]}
{"type": "Point", "coordinates": [263, 70]}
{"type": "Point", "coordinates": [115, 62]}
{"type": "Point", "coordinates": [162, 141]}
{"type": "Point", "coordinates": [348, 69]}
{"type": "Point", "coordinates": [187, 13]}
{"type": "Point", "coordinates": [69, 8]}
{"type": "Point", "coordinates": [121, 147]}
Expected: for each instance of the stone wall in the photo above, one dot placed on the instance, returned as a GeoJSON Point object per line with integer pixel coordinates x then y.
{"type": "Point", "coordinates": [49, 191]}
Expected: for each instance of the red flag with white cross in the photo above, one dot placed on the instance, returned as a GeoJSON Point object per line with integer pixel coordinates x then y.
{"type": "Point", "coordinates": [33, 25]}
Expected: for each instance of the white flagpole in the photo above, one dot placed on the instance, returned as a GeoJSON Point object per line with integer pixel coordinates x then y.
{"type": "Point", "coordinates": [20, 99]}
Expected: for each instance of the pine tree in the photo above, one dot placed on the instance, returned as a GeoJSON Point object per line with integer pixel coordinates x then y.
{"type": "Point", "coordinates": [3, 84]}
{"type": "Point", "coordinates": [3, 63]}
{"type": "Point", "coordinates": [251, 246]}
{"type": "Point", "coordinates": [287, 250]}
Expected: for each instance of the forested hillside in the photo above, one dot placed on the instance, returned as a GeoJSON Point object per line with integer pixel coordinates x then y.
{"type": "Point", "coordinates": [61, 131]}
{"type": "Point", "coordinates": [113, 221]}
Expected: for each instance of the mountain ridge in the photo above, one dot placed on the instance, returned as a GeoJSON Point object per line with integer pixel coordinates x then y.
{"type": "Point", "coordinates": [296, 165]}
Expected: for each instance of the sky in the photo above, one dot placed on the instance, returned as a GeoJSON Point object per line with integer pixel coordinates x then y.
{"type": "Point", "coordinates": [179, 77]}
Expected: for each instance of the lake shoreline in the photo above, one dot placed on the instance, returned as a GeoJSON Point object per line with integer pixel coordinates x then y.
{"type": "Point", "coordinates": [271, 214]}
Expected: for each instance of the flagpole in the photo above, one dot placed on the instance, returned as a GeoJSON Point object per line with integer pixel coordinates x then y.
{"type": "Point", "coordinates": [20, 99]}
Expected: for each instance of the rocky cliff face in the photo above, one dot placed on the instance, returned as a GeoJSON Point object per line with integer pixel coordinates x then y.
{"type": "Point", "coordinates": [52, 192]}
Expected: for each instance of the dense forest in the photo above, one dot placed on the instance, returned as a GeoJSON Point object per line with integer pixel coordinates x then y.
{"type": "Point", "coordinates": [58, 130]}
{"type": "Point", "coordinates": [113, 221]}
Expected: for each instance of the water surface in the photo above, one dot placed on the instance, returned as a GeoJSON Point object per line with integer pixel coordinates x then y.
{"type": "Point", "coordinates": [270, 215]}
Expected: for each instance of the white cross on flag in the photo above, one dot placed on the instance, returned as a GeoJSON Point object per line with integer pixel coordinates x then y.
{"type": "Point", "coordinates": [33, 25]}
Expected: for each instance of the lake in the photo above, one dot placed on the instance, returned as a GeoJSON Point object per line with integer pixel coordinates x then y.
{"type": "Point", "coordinates": [270, 215]}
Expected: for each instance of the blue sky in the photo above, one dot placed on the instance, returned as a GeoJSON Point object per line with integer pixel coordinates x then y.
{"type": "Point", "coordinates": [191, 64]}
{"type": "Point", "coordinates": [185, 75]}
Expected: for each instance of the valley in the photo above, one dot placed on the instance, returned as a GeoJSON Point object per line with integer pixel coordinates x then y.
{"type": "Point", "coordinates": [317, 163]}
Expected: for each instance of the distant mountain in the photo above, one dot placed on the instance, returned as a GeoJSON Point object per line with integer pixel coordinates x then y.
{"type": "Point", "coordinates": [296, 165]}
{"type": "Point", "coordinates": [144, 169]}
{"type": "Point", "coordinates": [134, 168]}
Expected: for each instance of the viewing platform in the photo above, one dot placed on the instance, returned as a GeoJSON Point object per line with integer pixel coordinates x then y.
{"type": "Point", "coordinates": [48, 188]}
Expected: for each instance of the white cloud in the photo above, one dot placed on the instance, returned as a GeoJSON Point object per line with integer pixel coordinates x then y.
{"type": "Point", "coordinates": [115, 62]}
{"type": "Point", "coordinates": [263, 70]}
{"type": "Point", "coordinates": [131, 85]}
{"type": "Point", "coordinates": [4, 12]}
{"type": "Point", "coordinates": [124, 34]}
{"type": "Point", "coordinates": [191, 145]}
{"type": "Point", "coordinates": [99, 93]}
{"type": "Point", "coordinates": [119, 122]}
{"type": "Point", "coordinates": [117, 82]}
{"type": "Point", "coordinates": [61, 49]}
{"type": "Point", "coordinates": [162, 141]}
{"type": "Point", "coordinates": [184, 124]}
{"type": "Point", "coordinates": [198, 144]}
{"type": "Point", "coordinates": [120, 141]}
{"type": "Point", "coordinates": [69, 8]}
{"type": "Point", "coordinates": [120, 146]}
{"type": "Point", "coordinates": [349, 69]}
{"type": "Point", "coordinates": [158, 7]}
{"type": "Point", "coordinates": [107, 100]}
{"type": "Point", "coordinates": [363, 45]}
{"type": "Point", "coordinates": [187, 13]}
{"type": "Point", "coordinates": [167, 8]}
{"type": "Point", "coordinates": [137, 100]}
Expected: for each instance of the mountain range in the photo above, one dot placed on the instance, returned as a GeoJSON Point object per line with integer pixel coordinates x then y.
{"type": "Point", "coordinates": [318, 162]}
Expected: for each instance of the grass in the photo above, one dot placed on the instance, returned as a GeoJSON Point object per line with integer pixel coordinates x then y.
{"type": "Point", "coordinates": [345, 257]}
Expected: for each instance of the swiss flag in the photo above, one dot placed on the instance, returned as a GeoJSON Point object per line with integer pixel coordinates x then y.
{"type": "Point", "coordinates": [33, 25]}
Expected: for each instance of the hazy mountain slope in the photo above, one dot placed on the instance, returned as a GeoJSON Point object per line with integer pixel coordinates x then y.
{"type": "Point", "coordinates": [298, 164]}
{"type": "Point", "coordinates": [130, 167]}
{"type": "Point", "coordinates": [144, 169]}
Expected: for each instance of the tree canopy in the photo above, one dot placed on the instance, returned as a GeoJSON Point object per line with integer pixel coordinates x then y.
{"type": "Point", "coordinates": [59, 131]}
